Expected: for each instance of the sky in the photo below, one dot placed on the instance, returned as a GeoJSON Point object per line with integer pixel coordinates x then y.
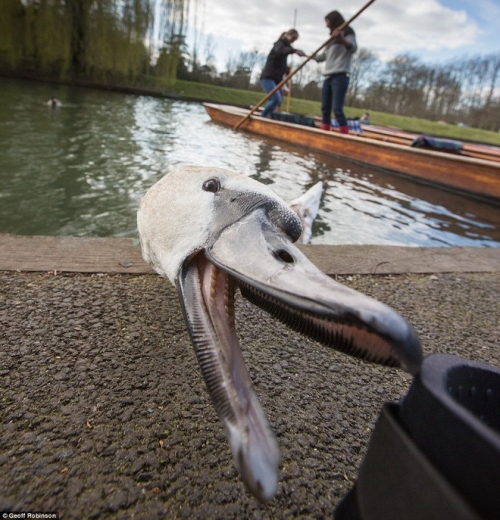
{"type": "Point", "coordinates": [435, 31]}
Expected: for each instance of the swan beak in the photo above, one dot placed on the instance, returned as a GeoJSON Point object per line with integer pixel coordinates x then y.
{"type": "Point", "coordinates": [259, 258]}
{"type": "Point", "coordinates": [273, 274]}
{"type": "Point", "coordinates": [207, 298]}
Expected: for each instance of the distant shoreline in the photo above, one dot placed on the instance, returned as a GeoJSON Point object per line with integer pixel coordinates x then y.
{"type": "Point", "coordinates": [111, 87]}
{"type": "Point", "coordinates": [196, 92]}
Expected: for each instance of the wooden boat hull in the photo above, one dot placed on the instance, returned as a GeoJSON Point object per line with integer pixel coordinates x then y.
{"type": "Point", "coordinates": [478, 177]}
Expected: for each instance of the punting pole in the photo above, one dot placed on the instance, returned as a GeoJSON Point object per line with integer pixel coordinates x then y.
{"type": "Point", "coordinates": [293, 72]}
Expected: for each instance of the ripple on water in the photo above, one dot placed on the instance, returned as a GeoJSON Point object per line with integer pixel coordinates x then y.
{"type": "Point", "coordinates": [82, 169]}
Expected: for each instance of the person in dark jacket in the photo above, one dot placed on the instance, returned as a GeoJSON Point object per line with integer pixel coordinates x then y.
{"type": "Point", "coordinates": [275, 68]}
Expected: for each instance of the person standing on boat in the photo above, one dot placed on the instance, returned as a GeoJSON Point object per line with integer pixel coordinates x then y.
{"type": "Point", "coordinates": [276, 67]}
{"type": "Point", "coordinates": [337, 57]}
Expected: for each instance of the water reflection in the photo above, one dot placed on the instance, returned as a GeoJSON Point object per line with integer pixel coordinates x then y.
{"type": "Point", "coordinates": [81, 170]}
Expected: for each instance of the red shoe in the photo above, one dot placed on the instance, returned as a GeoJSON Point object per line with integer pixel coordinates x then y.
{"type": "Point", "coordinates": [325, 126]}
{"type": "Point", "coordinates": [344, 129]}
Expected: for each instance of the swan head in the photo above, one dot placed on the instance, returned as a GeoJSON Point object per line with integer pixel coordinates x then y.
{"type": "Point", "coordinates": [212, 232]}
{"type": "Point", "coordinates": [186, 211]}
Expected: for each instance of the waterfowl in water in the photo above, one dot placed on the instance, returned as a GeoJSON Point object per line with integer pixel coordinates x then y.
{"type": "Point", "coordinates": [210, 231]}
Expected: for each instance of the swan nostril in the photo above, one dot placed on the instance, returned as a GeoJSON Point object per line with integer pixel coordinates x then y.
{"type": "Point", "coordinates": [284, 255]}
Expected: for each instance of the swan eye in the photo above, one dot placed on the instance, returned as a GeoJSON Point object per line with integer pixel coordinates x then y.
{"type": "Point", "coordinates": [212, 185]}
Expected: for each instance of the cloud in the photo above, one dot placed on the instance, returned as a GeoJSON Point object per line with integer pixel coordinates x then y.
{"type": "Point", "coordinates": [388, 27]}
{"type": "Point", "coordinates": [424, 27]}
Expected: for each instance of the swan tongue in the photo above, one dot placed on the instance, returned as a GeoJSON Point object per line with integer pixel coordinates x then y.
{"type": "Point", "coordinates": [207, 296]}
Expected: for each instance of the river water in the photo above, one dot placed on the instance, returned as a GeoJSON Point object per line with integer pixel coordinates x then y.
{"type": "Point", "coordinates": [81, 169]}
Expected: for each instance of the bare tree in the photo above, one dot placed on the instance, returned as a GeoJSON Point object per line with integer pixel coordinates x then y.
{"type": "Point", "coordinates": [362, 73]}
{"type": "Point", "coordinates": [239, 69]}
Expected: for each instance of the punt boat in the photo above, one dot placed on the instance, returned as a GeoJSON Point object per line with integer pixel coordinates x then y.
{"type": "Point", "coordinates": [474, 170]}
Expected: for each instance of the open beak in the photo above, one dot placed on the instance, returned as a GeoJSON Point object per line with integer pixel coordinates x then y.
{"type": "Point", "coordinates": [259, 258]}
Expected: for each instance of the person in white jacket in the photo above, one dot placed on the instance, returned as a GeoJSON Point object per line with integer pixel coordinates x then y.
{"type": "Point", "coordinates": [337, 57]}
